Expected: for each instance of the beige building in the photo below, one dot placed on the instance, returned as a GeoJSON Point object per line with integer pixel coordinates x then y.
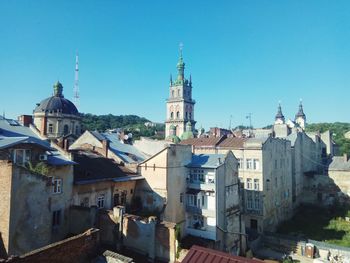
{"type": "Point", "coordinates": [57, 117]}
{"type": "Point", "coordinates": [180, 105]}
{"type": "Point", "coordinates": [265, 171]}
{"type": "Point", "coordinates": [35, 190]}
{"type": "Point", "coordinates": [197, 192]}
{"type": "Point", "coordinates": [101, 182]}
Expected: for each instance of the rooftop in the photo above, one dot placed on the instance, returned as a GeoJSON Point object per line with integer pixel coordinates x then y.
{"type": "Point", "coordinates": [199, 254]}
{"type": "Point", "coordinates": [92, 167]}
{"type": "Point", "coordinates": [207, 160]}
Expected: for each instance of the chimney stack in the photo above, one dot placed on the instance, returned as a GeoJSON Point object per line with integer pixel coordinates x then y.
{"type": "Point", "coordinates": [105, 147]}
{"type": "Point", "coordinates": [25, 120]}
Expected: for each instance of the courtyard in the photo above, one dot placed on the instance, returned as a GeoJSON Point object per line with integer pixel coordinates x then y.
{"type": "Point", "coordinates": [326, 224]}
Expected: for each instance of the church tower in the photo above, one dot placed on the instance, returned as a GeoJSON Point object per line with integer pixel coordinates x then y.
{"type": "Point", "coordinates": [279, 119]}
{"type": "Point", "coordinates": [180, 105]}
{"type": "Point", "coordinates": [300, 117]}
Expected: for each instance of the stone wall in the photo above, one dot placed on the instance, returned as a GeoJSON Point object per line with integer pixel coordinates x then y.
{"type": "Point", "coordinates": [81, 248]}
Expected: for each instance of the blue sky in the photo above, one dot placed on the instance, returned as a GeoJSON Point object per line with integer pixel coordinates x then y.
{"type": "Point", "coordinates": [244, 56]}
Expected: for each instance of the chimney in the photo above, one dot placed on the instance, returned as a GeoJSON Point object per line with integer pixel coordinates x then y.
{"type": "Point", "coordinates": [105, 147]}
{"type": "Point", "coordinates": [25, 120]}
{"type": "Point", "coordinates": [219, 160]}
{"type": "Point", "coordinates": [43, 126]}
{"type": "Point", "coordinates": [345, 157]}
{"type": "Point", "coordinates": [66, 145]}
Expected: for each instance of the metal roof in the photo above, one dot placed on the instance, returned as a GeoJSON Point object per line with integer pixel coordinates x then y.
{"type": "Point", "coordinates": [207, 160]}
{"type": "Point", "coordinates": [199, 254]}
{"type": "Point", "coordinates": [11, 135]}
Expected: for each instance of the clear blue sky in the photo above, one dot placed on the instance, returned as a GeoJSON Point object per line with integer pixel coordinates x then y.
{"type": "Point", "coordinates": [244, 56]}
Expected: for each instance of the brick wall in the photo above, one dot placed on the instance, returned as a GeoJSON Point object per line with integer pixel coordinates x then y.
{"type": "Point", "coordinates": [80, 248]}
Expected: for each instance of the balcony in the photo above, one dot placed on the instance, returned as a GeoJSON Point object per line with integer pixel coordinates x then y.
{"type": "Point", "coordinates": [201, 185]}
{"type": "Point", "coordinates": [200, 211]}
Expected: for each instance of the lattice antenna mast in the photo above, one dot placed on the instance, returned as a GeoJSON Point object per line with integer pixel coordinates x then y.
{"type": "Point", "coordinates": [76, 98]}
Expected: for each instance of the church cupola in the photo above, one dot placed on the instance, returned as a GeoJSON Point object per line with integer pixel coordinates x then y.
{"type": "Point", "coordinates": [279, 119]}
{"type": "Point", "coordinates": [58, 89]}
{"type": "Point", "coordinates": [300, 117]}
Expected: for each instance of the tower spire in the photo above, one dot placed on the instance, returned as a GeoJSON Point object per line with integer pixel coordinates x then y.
{"type": "Point", "coordinates": [279, 115]}
{"type": "Point", "coordinates": [301, 110]}
{"type": "Point", "coordinates": [181, 66]}
{"type": "Point", "coordinates": [76, 98]}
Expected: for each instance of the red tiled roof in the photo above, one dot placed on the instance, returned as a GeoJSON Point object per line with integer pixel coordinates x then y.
{"type": "Point", "coordinates": [232, 142]}
{"type": "Point", "coordinates": [211, 141]}
{"type": "Point", "coordinates": [223, 141]}
{"type": "Point", "coordinates": [199, 254]}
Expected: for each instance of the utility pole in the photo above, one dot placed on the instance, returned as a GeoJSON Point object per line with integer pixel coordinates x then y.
{"type": "Point", "coordinates": [76, 98]}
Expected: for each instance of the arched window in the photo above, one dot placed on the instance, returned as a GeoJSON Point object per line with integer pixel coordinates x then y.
{"type": "Point", "coordinates": [178, 93]}
{"type": "Point", "coordinates": [178, 114]}
{"type": "Point", "coordinates": [186, 115]}
{"type": "Point", "coordinates": [172, 115]}
{"type": "Point", "coordinates": [77, 130]}
{"type": "Point", "coordinates": [65, 129]}
{"type": "Point", "coordinates": [172, 93]}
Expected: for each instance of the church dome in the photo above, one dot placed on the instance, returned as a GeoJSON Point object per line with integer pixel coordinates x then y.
{"type": "Point", "coordinates": [57, 103]}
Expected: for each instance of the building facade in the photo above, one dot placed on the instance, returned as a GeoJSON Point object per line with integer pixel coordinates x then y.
{"type": "Point", "coordinates": [35, 190]}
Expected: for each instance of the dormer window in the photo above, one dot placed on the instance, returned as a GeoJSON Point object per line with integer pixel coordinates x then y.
{"type": "Point", "coordinates": [21, 156]}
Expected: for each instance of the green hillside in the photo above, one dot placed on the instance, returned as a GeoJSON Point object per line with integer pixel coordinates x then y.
{"type": "Point", "coordinates": [338, 129]}
{"type": "Point", "coordinates": [129, 123]}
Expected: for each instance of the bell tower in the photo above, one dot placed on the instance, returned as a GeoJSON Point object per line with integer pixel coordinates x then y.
{"type": "Point", "coordinates": [300, 117]}
{"type": "Point", "coordinates": [180, 105]}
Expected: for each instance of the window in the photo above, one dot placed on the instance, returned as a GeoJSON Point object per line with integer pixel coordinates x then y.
{"type": "Point", "coordinates": [85, 202]}
{"type": "Point", "coordinates": [276, 181]}
{"type": "Point", "coordinates": [256, 184]}
{"type": "Point", "coordinates": [172, 93]}
{"type": "Point", "coordinates": [249, 183]}
{"type": "Point", "coordinates": [186, 115]}
{"type": "Point", "coordinates": [123, 198]}
{"type": "Point", "coordinates": [240, 163]}
{"type": "Point", "coordinates": [21, 156]}
{"type": "Point", "coordinates": [172, 115]}
{"type": "Point", "coordinates": [249, 200]}
{"type": "Point", "coordinates": [256, 201]}
{"type": "Point", "coordinates": [197, 221]}
{"type": "Point", "coordinates": [197, 175]}
{"type": "Point", "coordinates": [211, 179]}
{"type": "Point", "coordinates": [50, 128]}
{"type": "Point", "coordinates": [203, 200]}
{"type": "Point", "coordinates": [256, 164]}
{"type": "Point", "coordinates": [77, 132]}
{"type": "Point", "coordinates": [178, 114]}
{"type": "Point", "coordinates": [181, 197]}
{"type": "Point", "coordinates": [249, 163]}
{"type": "Point", "coordinates": [65, 129]}
{"type": "Point", "coordinates": [101, 201]}
{"type": "Point", "coordinates": [192, 200]}
{"type": "Point", "coordinates": [57, 186]}
{"type": "Point", "coordinates": [275, 164]}
{"type": "Point", "coordinates": [178, 92]}
{"type": "Point", "coordinates": [56, 218]}
{"type": "Point", "coordinates": [267, 184]}
{"type": "Point", "coordinates": [190, 116]}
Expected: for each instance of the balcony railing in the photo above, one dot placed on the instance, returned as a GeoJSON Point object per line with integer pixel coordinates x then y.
{"type": "Point", "coordinates": [200, 211]}
{"type": "Point", "coordinates": [201, 185]}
